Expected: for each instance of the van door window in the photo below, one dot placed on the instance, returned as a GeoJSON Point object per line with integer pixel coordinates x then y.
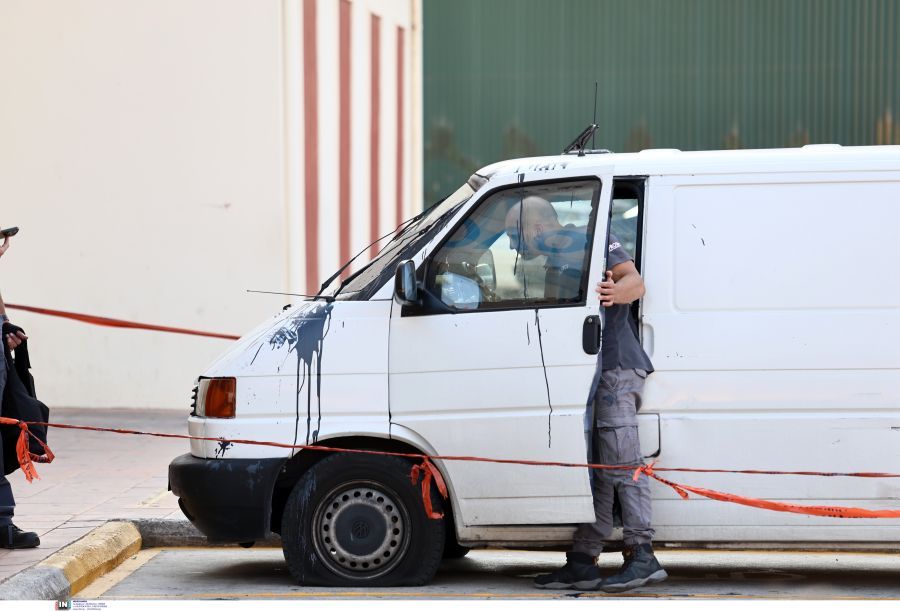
{"type": "Point", "coordinates": [627, 206]}
{"type": "Point", "coordinates": [626, 223]}
{"type": "Point", "coordinates": [526, 246]}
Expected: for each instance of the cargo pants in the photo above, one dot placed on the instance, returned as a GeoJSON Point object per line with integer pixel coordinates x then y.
{"type": "Point", "coordinates": [7, 502]}
{"type": "Point", "coordinates": [614, 441]}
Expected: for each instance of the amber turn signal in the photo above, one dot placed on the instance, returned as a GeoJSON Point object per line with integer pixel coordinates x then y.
{"type": "Point", "coordinates": [220, 397]}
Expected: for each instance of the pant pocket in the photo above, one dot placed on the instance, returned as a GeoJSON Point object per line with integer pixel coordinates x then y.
{"type": "Point", "coordinates": [618, 445]}
{"type": "Point", "coordinates": [611, 379]}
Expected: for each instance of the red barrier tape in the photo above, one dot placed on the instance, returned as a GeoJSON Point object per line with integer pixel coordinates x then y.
{"type": "Point", "coordinates": [430, 473]}
{"type": "Point", "coordinates": [23, 453]}
{"type": "Point", "coordinates": [114, 322]}
{"type": "Point", "coordinates": [810, 510]}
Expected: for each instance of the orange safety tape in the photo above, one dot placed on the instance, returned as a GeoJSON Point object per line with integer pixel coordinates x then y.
{"type": "Point", "coordinates": [23, 453]}
{"type": "Point", "coordinates": [810, 510]}
{"type": "Point", "coordinates": [115, 322]}
{"type": "Point", "coordinates": [431, 473]}
{"type": "Point", "coordinates": [503, 461]}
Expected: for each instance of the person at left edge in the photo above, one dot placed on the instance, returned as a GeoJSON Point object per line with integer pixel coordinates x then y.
{"type": "Point", "coordinates": [11, 536]}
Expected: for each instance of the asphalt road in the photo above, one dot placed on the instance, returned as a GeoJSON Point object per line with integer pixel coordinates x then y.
{"type": "Point", "coordinates": [260, 573]}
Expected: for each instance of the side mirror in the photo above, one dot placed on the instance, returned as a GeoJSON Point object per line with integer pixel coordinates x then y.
{"type": "Point", "coordinates": [406, 291]}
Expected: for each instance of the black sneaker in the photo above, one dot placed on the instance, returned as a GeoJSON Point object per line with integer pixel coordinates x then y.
{"type": "Point", "coordinates": [580, 572]}
{"type": "Point", "coordinates": [640, 569]}
{"type": "Point", "coordinates": [12, 537]}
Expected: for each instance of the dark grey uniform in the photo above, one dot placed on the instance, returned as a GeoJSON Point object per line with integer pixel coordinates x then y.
{"type": "Point", "coordinates": [613, 403]}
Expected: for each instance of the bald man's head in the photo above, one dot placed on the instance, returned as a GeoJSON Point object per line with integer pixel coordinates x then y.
{"type": "Point", "coordinates": [527, 221]}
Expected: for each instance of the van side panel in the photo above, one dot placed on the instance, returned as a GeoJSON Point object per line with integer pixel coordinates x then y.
{"type": "Point", "coordinates": [772, 316]}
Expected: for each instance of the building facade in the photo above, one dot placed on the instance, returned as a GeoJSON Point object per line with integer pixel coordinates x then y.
{"type": "Point", "coordinates": [512, 78]}
{"type": "Point", "coordinates": [162, 158]}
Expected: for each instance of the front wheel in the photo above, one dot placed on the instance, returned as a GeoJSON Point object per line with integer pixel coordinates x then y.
{"type": "Point", "coordinates": [357, 520]}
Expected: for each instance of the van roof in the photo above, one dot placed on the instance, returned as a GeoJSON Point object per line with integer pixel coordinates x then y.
{"type": "Point", "coordinates": [653, 162]}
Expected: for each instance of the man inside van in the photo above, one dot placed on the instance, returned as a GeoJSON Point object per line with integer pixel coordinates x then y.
{"type": "Point", "coordinates": [615, 397]}
{"type": "Point", "coordinates": [533, 228]}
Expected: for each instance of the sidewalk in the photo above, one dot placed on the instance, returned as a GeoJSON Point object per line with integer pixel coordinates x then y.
{"type": "Point", "coordinates": [96, 477]}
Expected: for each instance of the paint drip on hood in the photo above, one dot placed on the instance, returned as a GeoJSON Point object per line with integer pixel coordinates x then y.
{"type": "Point", "coordinates": [304, 334]}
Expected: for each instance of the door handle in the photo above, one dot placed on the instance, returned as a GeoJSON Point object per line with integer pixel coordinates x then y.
{"type": "Point", "coordinates": [591, 333]}
{"type": "Point", "coordinates": [647, 338]}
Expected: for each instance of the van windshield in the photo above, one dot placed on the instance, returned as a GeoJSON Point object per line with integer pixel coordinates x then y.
{"type": "Point", "coordinates": [413, 235]}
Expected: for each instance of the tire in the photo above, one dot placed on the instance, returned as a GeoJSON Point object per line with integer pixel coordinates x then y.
{"type": "Point", "coordinates": [356, 520]}
{"type": "Point", "coordinates": [454, 551]}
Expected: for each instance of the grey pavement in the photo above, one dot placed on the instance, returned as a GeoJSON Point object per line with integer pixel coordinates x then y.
{"type": "Point", "coordinates": [232, 573]}
{"type": "Point", "coordinates": [96, 477]}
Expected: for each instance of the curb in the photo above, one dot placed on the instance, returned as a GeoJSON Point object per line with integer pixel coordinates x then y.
{"type": "Point", "coordinates": [69, 570]}
{"type": "Point", "coordinates": [157, 532]}
{"type": "Point", "coordinates": [73, 567]}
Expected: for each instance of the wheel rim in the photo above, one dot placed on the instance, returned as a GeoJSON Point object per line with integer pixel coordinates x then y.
{"type": "Point", "coordinates": [360, 530]}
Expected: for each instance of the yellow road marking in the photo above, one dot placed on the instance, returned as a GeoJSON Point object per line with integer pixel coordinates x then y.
{"type": "Point", "coordinates": [156, 498]}
{"type": "Point", "coordinates": [99, 586]}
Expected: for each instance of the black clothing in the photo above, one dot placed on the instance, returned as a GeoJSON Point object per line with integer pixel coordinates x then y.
{"type": "Point", "coordinates": [20, 402]}
{"type": "Point", "coordinates": [7, 501]}
{"type": "Point", "coordinates": [621, 348]}
{"type": "Point", "coordinates": [13, 537]}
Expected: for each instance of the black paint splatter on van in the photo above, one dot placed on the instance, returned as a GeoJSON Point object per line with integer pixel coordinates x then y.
{"type": "Point", "coordinates": [223, 447]}
{"type": "Point", "coordinates": [537, 323]}
{"type": "Point", "coordinates": [304, 333]}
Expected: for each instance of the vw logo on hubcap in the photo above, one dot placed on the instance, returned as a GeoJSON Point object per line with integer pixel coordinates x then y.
{"type": "Point", "coordinates": [360, 529]}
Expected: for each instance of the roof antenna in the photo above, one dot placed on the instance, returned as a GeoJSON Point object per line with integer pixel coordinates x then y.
{"type": "Point", "coordinates": [589, 132]}
{"type": "Point", "coordinates": [579, 142]}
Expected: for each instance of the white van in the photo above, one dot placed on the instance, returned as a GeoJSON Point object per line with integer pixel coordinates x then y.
{"type": "Point", "coordinates": [772, 317]}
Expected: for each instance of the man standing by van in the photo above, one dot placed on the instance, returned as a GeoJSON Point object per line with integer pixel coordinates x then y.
{"type": "Point", "coordinates": [11, 536]}
{"type": "Point", "coordinates": [616, 397]}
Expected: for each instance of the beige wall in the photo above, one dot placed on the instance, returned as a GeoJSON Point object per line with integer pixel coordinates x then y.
{"type": "Point", "coordinates": [146, 152]}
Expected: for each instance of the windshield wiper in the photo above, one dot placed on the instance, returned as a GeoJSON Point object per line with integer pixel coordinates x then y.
{"type": "Point", "coordinates": [352, 276]}
{"type": "Point", "coordinates": [438, 223]}
{"type": "Point", "coordinates": [327, 298]}
{"type": "Point", "coordinates": [399, 231]}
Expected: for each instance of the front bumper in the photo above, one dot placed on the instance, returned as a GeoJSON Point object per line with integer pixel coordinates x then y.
{"type": "Point", "coordinates": [228, 499]}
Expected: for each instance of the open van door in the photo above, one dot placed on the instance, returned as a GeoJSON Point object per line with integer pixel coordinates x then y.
{"type": "Point", "coordinates": [497, 358]}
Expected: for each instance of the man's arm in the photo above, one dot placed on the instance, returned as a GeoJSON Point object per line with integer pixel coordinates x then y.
{"type": "Point", "coordinates": [623, 284]}
{"type": "Point", "coordinates": [12, 339]}
{"type": "Point", "coordinates": [3, 248]}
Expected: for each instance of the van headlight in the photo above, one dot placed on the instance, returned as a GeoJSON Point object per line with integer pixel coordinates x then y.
{"type": "Point", "coordinates": [216, 397]}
